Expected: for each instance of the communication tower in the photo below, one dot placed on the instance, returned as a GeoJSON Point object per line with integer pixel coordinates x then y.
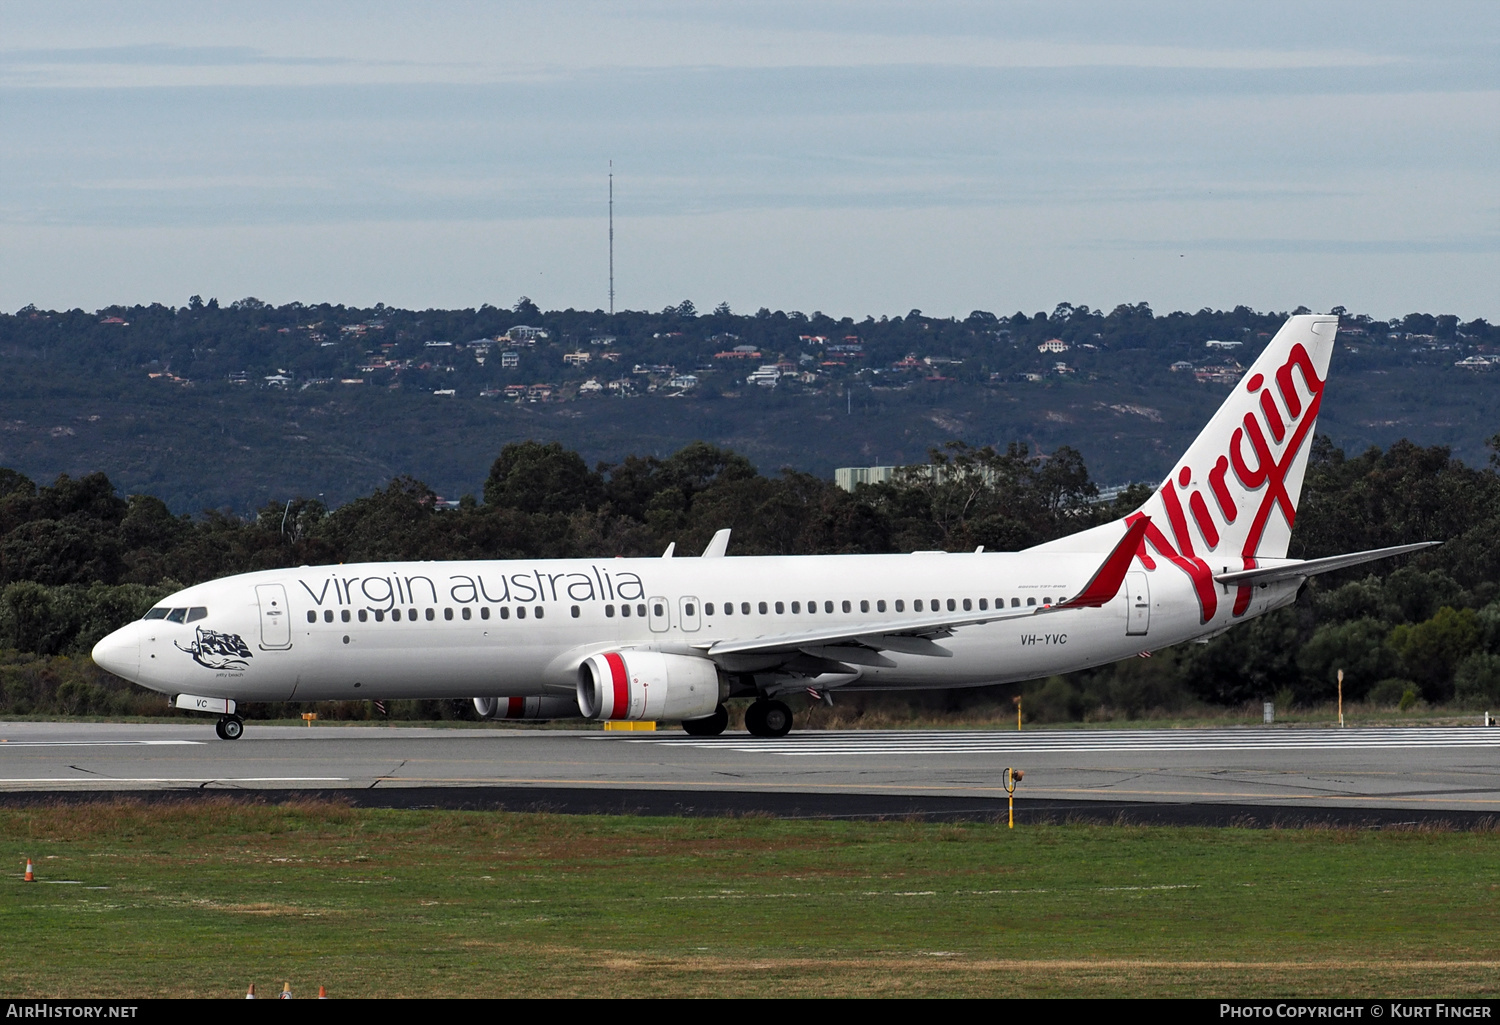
{"type": "Point", "coordinates": [611, 238]}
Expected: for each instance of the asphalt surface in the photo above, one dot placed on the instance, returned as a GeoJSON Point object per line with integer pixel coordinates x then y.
{"type": "Point", "coordinates": [1253, 776]}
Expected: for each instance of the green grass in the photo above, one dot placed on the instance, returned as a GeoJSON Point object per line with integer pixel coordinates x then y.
{"type": "Point", "coordinates": [203, 898]}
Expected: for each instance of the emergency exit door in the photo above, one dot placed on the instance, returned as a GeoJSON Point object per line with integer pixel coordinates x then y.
{"type": "Point", "coordinates": [661, 616]}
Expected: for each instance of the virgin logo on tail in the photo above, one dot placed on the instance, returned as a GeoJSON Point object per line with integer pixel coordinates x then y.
{"type": "Point", "coordinates": [1260, 476]}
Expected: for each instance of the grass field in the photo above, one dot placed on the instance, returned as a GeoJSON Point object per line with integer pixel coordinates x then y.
{"type": "Point", "coordinates": [203, 898]}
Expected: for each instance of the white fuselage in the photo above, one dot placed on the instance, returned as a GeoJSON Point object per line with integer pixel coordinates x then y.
{"type": "Point", "coordinates": [520, 628]}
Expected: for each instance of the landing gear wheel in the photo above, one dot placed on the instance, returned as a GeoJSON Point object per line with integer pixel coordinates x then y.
{"type": "Point", "coordinates": [708, 726]}
{"type": "Point", "coordinates": [768, 719]}
{"type": "Point", "coordinates": [231, 727]}
{"type": "Point", "coordinates": [777, 719]}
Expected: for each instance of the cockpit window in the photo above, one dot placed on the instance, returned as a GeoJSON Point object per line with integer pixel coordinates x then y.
{"type": "Point", "coordinates": [160, 612]}
{"type": "Point", "coordinates": [176, 615]}
{"type": "Point", "coordinates": [196, 613]}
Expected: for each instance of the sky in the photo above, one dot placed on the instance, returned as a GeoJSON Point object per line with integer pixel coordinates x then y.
{"type": "Point", "coordinates": [854, 158]}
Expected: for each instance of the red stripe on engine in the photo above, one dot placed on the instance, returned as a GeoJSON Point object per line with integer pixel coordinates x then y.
{"type": "Point", "coordinates": [621, 685]}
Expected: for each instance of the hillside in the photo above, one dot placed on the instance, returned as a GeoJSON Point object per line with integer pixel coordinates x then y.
{"type": "Point", "coordinates": [230, 408]}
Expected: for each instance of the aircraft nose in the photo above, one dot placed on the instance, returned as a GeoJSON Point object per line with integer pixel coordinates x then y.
{"type": "Point", "coordinates": [120, 652]}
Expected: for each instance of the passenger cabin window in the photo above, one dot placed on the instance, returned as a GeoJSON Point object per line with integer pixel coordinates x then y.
{"type": "Point", "coordinates": [796, 607]}
{"type": "Point", "coordinates": [1030, 601]}
{"type": "Point", "coordinates": [1015, 602]}
{"type": "Point", "coordinates": [609, 612]}
{"type": "Point", "coordinates": [574, 611]}
{"type": "Point", "coordinates": [916, 606]}
{"type": "Point", "coordinates": [952, 606]}
{"type": "Point", "coordinates": [466, 612]}
{"type": "Point", "coordinates": [764, 608]}
{"type": "Point", "coordinates": [538, 611]}
{"type": "Point", "coordinates": [640, 610]}
{"type": "Point", "coordinates": [447, 613]}
{"type": "Point", "coordinates": [708, 608]}
{"type": "Point", "coordinates": [780, 609]}
{"type": "Point", "coordinates": [984, 603]}
{"type": "Point", "coordinates": [846, 607]}
{"type": "Point", "coordinates": [364, 615]}
{"type": "Point", "coordinates": [625, 611]}
{"type": "Point", "coordinates": [729, 608]}
{"type": "Point", "coordinates": [880, 605]}
{"type": "Point", "coordinates": [431, 615]}
{"type": "Point", "coordinates": [864, 606]}
{"type": "Point", "coordinates": [505, 612]}
{"type": "Point", "coordinates": [328, 615]}
{"type": "Point", "coordinates": [744, 608]}
{"type": "Point", "coordinates": [901, 606]}
{"type": "Point", "coordinates": [344, 615]}
{"type": "Point", "coordinates": [828, 606]}
{"type": "Point", "coordinates": [312, 617]}
{"type": "Point", "coordinates": [812, 607]}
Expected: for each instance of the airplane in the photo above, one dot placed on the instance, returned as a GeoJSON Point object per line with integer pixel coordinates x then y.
{"type": "Point", "coordinates": [674, 638]}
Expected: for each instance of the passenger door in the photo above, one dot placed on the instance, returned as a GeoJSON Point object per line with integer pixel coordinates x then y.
{"type": "Point", "coordinates": [275, 618]}
{"type": "Point", "coordinates": [1138, 604]}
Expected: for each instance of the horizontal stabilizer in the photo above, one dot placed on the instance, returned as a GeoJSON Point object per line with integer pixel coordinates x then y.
{"type": "Point", "coordinates": [1101, 590]}
{"type": "Point", "coordinates": [1312, 567]}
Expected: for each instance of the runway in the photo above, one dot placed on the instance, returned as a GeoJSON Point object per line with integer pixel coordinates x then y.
{"type": "Point", "coordinates": [1379, 772]}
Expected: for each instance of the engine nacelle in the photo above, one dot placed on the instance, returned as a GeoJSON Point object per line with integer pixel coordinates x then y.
{"type": "Point", "coordinates": [546, 706]}
{"type": "Point", "coordinates": [647, 685]}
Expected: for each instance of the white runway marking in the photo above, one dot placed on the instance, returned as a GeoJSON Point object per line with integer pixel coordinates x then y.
{"type": "Point", "coordinates": [112, 780]}
{"type": "Point", "coordinates": [991, 742]}
{"type": "Point", "coordinates": [6, 745]}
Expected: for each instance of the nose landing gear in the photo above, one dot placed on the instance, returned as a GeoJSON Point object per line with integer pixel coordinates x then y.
{"type": "Point", "coordinates": [768, 719]}
{"type": "Point", "coordinates": [231, 727]}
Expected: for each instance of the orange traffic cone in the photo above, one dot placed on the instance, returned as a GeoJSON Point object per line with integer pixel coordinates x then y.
{"type": "Point", "coordinates": [30, 876]}
{"type": "Point", "coordinates": [322, 992]}
{"type": "Point", "coordinates": [286, 991]}
{"type": "Point", "coordinates": [250, 995]}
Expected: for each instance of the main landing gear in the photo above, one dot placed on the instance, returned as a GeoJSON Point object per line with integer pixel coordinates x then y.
{"type": "Point", "coordinates": [708, 726]}
{"type": "Point", "coordinates": [768, 719]}
{"type": "Point", "coordinates": [231, 727]}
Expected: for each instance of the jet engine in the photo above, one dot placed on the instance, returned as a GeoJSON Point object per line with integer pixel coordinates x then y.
{"type": "Point", "coordinates": [544, 707]}
{"type": "Point", "coordinates": [648, 685]}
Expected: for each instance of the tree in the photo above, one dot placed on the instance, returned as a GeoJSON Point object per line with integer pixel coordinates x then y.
{"type": "Point", "coordinates": [534, 478]}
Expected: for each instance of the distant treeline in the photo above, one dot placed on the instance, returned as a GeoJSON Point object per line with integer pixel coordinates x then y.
{"type": "Point", "coordinates": [78, 560]}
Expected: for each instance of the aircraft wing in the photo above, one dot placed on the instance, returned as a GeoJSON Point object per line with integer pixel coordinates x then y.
{"type": "Point", "coordinates": [913, 635]}
{"type": "Point", "coordinates": [1312, 567]}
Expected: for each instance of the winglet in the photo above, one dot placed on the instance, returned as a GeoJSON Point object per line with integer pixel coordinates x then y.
{"type": "Point", "coordinates": [1106, 582]}
{"type": "Point", "coordinates": [718, 546]}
